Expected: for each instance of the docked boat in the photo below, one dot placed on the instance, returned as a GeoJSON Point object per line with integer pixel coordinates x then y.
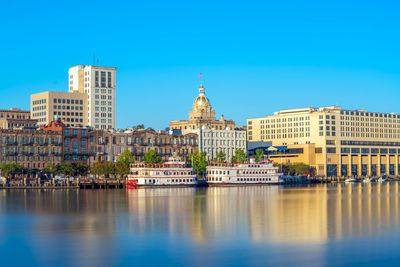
{"type": "Point", "coordinates": [370, 180]}
{"type": "Point", "coordinates": [242, 173]}
{"type": "Point", "coordinates": [173, 173]}
{"type": "Point", "coordinates": [352, 180]}
{"type": "Point", "coordinates": [382, 180]}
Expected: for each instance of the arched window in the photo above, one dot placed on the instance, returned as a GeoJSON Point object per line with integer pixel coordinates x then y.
{"type": "Point", "coordinates": [75, 147]}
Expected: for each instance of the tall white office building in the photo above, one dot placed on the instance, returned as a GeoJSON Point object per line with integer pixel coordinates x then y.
{"type": "Point", "coordinates": [99, 83]}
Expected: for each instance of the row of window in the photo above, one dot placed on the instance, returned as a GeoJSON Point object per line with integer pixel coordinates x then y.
{"type": "Point", "coordinates": [28, 140]}
{"type": "Point", "coordinates": [369, 114]}
{"type": "Point", "coordinates": [187, 180]}
{"type": "Point", "coordinates": [67, 101]}
{"type": "Point", "coordinates": [68, 107]}
{"type": "Point", "coordinates": [356, 150]}
{"type": "Point", "coordinates": [14, 116]}
{"type": "Point", "coordinates": [30, 159]}
{"type": "Point", "coordinates": [39, 102]}
{"type": "Point", "coordinates": [30, 150]}
{"type": "Point", "coordinates": [69, 132]}
{"type": "Point", "coordinates": [216, 179]}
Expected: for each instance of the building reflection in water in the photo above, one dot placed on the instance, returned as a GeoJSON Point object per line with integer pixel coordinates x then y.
{"type": "Point", "coordinates": [44, 217]}
{"type": "Point", "coordinates": [312, 215]}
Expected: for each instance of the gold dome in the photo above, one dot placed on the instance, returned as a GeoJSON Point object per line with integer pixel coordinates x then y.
{"type": "Point", "coordinates": [201, 100]}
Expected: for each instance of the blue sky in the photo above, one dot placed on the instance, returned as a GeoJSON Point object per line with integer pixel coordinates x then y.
{"type": "Point", "coordinates": [256, 56]}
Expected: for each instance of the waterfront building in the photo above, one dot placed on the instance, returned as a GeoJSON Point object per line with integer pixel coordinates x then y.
{"type": "Point", "coordinates": [30, 148]}
{"type": "Point", "coordinates": [108, 146]}
{"type": "Point", "coordinates": [99, 83]}
{"type": "Point", "coordinates": [71, 108]}
{"type": "Point", "coordinates": [212, 141]}
{"type": "Point", "coordinates": [75, 141]}
{"type": "Point", "coordinates": [335, 141]}
{"type": "Point", "coordinates": [201, 116]}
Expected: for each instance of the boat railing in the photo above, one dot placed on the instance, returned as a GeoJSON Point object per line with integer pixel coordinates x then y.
{"type": "Point", "coordinates": [158, 165]}
{"type": "Point", "coordinates": [224, 164]}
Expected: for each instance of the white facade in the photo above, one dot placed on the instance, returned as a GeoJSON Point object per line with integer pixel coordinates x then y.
{"type": "Point", "coordinates": [99, 83]}
{"type": "Point", "coordinates": [228, 141]}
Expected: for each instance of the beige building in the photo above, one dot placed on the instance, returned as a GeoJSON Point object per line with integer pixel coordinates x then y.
{"type": "Point", "coordinates": [16, 118]}
{"type": "Point", "coordinates": [14, 113]}
{"type": "Point", "coordinates": [71, 108]}
{"type": "Point", "coordinates": [336, 142]}
{"type": "Point", "coordinates": [99, 83]}
{"type": "Point", "coordinates": [202, 115]}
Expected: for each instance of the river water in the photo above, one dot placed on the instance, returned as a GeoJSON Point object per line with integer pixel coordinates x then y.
{"type": "Point", "coordinates": [319, 225]}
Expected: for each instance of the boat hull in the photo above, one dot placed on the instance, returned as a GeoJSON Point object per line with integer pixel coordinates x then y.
{"type": "Point", "coordinates": [241, 184]}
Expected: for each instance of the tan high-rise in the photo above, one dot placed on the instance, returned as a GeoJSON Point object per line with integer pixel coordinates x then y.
{"type": "Point", "coordinates": [336, 142]}
{"type": "Point", "coordinates": [71, 108]}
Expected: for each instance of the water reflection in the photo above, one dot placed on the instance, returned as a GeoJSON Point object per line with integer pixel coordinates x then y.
{"type": "Point", "coordinates": [312, 214]}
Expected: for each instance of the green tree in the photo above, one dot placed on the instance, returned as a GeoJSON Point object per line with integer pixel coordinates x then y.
{"type": "Point", "coordinates": [259, 155]}
{"type": "Point", "coordinates": [283, 168]}
{"type": "Point", "coordinates": [11, 169]}
{"type": "Point", "coordinates": [50, 169]}
{"type": "Point", "coordinates": [103, 168]}
{"type": "Point", "coordinates": [152, 156]}
{"type": "Point", "coordinates": [137, 127]}
{"type": "Point", "coordinates": [65, 168]}
{"type": "Point", "coordinates": [240, 156]}
{"type": "Point", "coordinates": [198, 161]}
{"type": "Point", "coordinates": [220, 157]}
{"type": "Point", "coordinates": [81, 169]}
{"type": "Point", "coordinates": [121, 169]}
{"type": "Point", "coordinates": [126, 158]}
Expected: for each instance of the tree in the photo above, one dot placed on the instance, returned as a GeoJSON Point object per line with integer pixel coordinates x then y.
{"type": "Point", "coordinates": [81, 169]}
{"type": "Point", "coordinates": [198, 161]}
{"type": "Point", "coordinates": [240, 156]}
{"type": "Point", "coordinates": [138, 127]}
{"type": "Point", "coordinates": [152, 156]}
{"type": "Point", "coordinates": [50, 169]}
{"type": "Point", "coordinates": [11, 169]}
{"type": "Point", "coordinates": [126, 158]}
{"type": "Point", "coordinates": [259, 155]}
{"type": "Point", "coordinates": [65, 168]}
{"type": "Point", "coordinates": [121, 169]}
{"type": "Point", "coordinates": [103, 168]}
{"type": "Point", "coordinates": [220, 157]}
{"type": "Point", "coordinates": [283, 168]}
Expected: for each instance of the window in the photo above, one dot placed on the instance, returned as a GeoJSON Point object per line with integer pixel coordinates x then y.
{"type": "Point", "coordinates": [75, 147]}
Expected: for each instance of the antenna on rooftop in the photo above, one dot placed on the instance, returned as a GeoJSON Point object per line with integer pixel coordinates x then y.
{"type": "Point", "coordinates": [94, 57]}
{"type": "Point", "coordinates": [97, 61]}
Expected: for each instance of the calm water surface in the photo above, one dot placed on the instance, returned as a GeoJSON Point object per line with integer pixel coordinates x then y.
{"type": "Point", "coordinates": [324, 225]}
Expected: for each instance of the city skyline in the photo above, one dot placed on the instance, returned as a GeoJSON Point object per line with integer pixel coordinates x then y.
{"type": "Point", "coordinates": [255, 62]}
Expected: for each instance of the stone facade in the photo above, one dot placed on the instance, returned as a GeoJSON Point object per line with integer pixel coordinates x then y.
{"type": "Point", "coordinates": [105, 145]}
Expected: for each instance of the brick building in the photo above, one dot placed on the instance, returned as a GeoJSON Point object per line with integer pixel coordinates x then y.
{"type": "Point", "coordinates": [74, 139]}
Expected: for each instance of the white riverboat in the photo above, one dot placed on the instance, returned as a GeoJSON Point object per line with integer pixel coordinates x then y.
{"type": "Point", "coordinates": [242, 173]}
{"type": "Point", "coordinates": [174, 172]}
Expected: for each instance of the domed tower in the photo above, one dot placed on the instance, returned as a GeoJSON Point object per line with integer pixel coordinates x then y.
{"type": "Point", "coordinates": [202, 107]}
